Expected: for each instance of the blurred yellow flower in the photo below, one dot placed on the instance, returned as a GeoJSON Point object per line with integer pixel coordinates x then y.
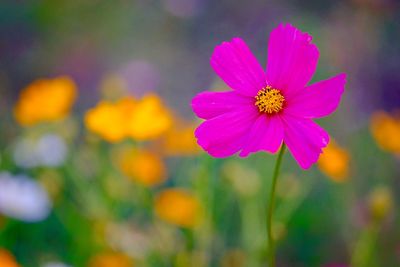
{"type": "Point", "coordinates": [334, 162]}
{"type": "Point", "coordinates": [179, 140]}
{"type": "Point", "coordinates": [111, 259]}
{"type": "Point", "coordinates": [142, 166]}
{"type": "Point", "coordinates": [178, 206]}
{"type": "Point", "coordinates": [109, 119]}
{"type": "Point", "coordinates": [149, 119]}
{"type": "Point", "coordinates": [380, 202]}
{"type": "Point", "coordinates": [7, 259]}
{"type": "Point", "coordinates": [142, 119]}
{"type": "Point", "coordinates": [45, 100]}
{"type": "Point", "coordinates": [386, 131]}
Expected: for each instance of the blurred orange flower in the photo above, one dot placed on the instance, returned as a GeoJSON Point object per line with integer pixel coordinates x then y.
{"type": "Point", "coordinates": [334, 162]}
{"type": "Point", "coordinates": [179, 140]}
{"type": "Point", "coordinates": [385, 129]}
{"type": "Point", "coordinates": [111, 259]}
{"type": "Point", "coordinates": [142, 166]}
{"type": "Point", "coordinates": [178, 206]}
{"type": "Point", "coordinates": [7, 259]}
{"type": "Point", "coordinates": [142, 119]}
{"type": "Point", "coordinates": [45, 100]}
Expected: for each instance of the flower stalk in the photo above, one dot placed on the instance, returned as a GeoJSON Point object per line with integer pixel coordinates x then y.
{"type": "Point", "coordinates": [271, 245]}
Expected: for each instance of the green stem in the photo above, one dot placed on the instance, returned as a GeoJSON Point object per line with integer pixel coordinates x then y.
{"type": "Point", "coordinates": [271, 258]}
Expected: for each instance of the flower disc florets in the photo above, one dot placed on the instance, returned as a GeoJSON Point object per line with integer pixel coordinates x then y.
{"type": "Point", "coordinates": [269, 100]}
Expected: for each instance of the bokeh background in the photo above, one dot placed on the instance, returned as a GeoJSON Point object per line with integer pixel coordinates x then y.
{"type": "Point", "coordinates": [99, 166]}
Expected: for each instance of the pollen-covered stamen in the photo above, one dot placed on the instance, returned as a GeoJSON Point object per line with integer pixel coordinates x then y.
{"type": "Point", "coordinates": [269, 100]}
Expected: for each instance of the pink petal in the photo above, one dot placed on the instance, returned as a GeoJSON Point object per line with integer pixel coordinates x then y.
{"type": "Point", "coordinates": [226, 134]}
{"type": "Point", "coordinates": [266, 134]}
{"type": "Point", "coordinates": [236, 65]}
{"type": "Point", "coordinates": [208, 105]}
{"type": "Point", "coordinates": [317, 100]}
{"type": "Point", "coordinates": [305, 139]}
{"type": "Point", "coordinates": [292, 59]}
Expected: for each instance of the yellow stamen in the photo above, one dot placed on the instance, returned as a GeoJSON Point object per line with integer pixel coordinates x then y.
{"type": "Point", "coordinates": [269, 100]}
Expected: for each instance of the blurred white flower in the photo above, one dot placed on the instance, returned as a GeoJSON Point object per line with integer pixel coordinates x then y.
{"type": "Point", "coordinates": [23, 198]}
{"type": "Point", "coordinates": [49, 150]}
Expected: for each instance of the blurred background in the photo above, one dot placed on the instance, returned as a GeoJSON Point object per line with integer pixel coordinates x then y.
{"type": "Point", "coordinates": [99, 166]}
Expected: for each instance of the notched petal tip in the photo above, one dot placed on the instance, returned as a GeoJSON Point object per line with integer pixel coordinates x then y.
{"type": "Point", "coordinates": [197, 101]}
{"type": "Point", "coordinates": [341, 81]}
{"type": "Point", "coordinates": [292, 58]}
{"type": "Point", "coordinates": [236, 65]}
{"type": "Point", "coordinates": [343, 77]}
{"type": "Point", "coordinates": [287, 28]}
{"type": "Point", "coordinates": [308, 164]}
{"type": "Point", "coordinates": [305, 140]}
{"type": "Point", "coordinates": [223, 46]}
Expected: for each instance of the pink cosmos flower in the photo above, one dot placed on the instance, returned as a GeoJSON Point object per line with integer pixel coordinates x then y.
{"type": "Point", "coordinates": [266, 108]}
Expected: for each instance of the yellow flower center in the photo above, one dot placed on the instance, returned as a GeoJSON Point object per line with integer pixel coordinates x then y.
{"type": "Point", "coordinates": [269, 100]}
